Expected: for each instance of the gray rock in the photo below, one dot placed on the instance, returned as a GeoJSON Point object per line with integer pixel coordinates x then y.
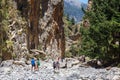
{"type": "Point", "coordinates": [116, 77]}
{"type": "Point", "coordinates": [46, 72]}
{"type": "Point", "coordinates": [5, 70]}
{"type": "Point", "coordinates": [7, 63]}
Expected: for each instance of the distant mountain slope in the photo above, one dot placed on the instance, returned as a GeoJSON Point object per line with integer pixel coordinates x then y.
{"type": "Point", "coordinates": [73, 8]}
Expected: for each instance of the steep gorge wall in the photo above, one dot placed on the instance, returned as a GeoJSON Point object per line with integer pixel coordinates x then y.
{"type": "Point", "coordinates": [13, 30]}
{"type": "Point", "coordinates": [52, 30]}
{"type": "Point", "coordinates": [45, 25]}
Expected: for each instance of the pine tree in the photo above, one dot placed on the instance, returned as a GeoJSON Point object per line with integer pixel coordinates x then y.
{"type": "Point", "coordinates": [73, 21]}
{"type": "Point", "coordinates": [99, 40]}
{"type": "Point", "coordinates": [68, 17]}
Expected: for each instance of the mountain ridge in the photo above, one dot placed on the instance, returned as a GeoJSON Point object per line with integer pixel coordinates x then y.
{"type": "Point", "coordinates": [73, 8]}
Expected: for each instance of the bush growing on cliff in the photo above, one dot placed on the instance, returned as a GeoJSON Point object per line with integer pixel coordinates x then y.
{"type": "Point", "coordinates": [3, 24]}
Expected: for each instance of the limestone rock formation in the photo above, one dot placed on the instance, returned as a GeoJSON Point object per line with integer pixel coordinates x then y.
{"type": "Point", "coordinates": [52, 31]}
{"type": "Point", "coordinates": [45, 29]}
{"type": "Point", "coordinates": [15, 32]}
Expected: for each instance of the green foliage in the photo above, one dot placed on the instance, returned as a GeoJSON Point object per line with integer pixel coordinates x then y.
{"type": "Point", "coordinates": [68, 17]}
{"type": "Point", "coordinates": [14, 56]}
{"type": "Point", "coordinates": [68, 54]}
{"type": "Point", "coordinates": [73, 21]}
{"type": "Point", "coordinates": [98, 41]}
{"type": "Point", "coordinates": [3, 23]}
{"type": "Point", "coordinates": [9, 43]}
{"type": "Point", "coordinates": [6, 46]}
{"type": "Point", "coordinates": [74, 50]}
{"type": "Point", "coordinates": [67, 24]}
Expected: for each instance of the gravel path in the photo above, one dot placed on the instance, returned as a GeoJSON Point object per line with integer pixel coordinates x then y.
{"type": "Point", "coordinates": [8, 71]}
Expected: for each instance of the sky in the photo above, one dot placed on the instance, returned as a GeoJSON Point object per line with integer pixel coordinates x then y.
{"type": "Point", "coordinates": [84, 1]}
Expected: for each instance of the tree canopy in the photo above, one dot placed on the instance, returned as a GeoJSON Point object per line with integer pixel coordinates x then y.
{"type": "Point", "coordinates": [102, 39]}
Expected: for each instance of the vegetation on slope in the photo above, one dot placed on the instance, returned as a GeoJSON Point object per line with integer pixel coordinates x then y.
{"type": "Point", "coordinates": [10, 20]}
{"type": "Point", "coordinates": [102, 39]}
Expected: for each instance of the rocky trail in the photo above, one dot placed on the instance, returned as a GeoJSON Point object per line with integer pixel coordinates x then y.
{"type": "Point", "coordinates": [20, 71]}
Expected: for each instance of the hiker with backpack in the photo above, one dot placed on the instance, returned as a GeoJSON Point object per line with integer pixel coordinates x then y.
{"type": "Point", "coordinates": [38, 63]}
{"type": "Point", "coordinates": [57, 65]}
{"type": "Point", "coordinates": [33, 64]}
{"type": "Point", "coordinates": [54, 65]}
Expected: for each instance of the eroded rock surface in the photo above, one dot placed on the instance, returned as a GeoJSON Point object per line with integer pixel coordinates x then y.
{"type": "Point", "coordinates": [45, 25]}
{"type": "Point", "coordinates": [52, 31]}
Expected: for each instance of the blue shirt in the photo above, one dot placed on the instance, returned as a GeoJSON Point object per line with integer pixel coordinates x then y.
{"type": "Point", "coordinates": [32, 61]}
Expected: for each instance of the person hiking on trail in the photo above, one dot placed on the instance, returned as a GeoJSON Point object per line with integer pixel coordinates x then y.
{"type": "Point", "coordinates": [66, 63]}
{"type": "Point", "coordinates": [33, 63]}
{"type": "Point", "coordinates": [54, 65]}
{"type": "Point", "coordinates": [62, 59]}
{"type": "Point", "coordinates": [38, 63]}
{"type": "Point", "coordinates": [57, 63]}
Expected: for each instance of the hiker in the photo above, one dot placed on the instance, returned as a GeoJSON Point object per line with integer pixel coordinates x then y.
{"type": "Point", "coordinates": [33, 64]}
{"type": "Point", "coordinates": [38, 63]}
{"type": "Point", "coordinates": [66, 63]}
{"type": "Point", "coordinates": [82, 58]}
{"type": "Point", "coordinates": [54, 65]}
{"type": "Point", "coordinates": [62, 59]}
{"type": "Point", "coordinates": [57, 64]}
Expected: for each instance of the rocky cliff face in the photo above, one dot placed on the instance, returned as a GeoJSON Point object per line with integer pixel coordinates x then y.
{"type": "Point", "coordinates": [15, 43]}
{"type": "Point", "coordinates": [89, 5]}
{"type": "Point", "coordinates": [45, 29]}
{"type": "Point", "coordinates": [86, 21]}
{"type": "Point", "coordinates": [51, 29]}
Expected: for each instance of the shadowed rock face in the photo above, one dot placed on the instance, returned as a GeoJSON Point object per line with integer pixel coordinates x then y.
{"type": "Point", "coordinates": [34, 22]}
{"type": "Point", "coordinates": [45, 25]}
{"type": "Point", "coordinates": [23, 5]}
{"type": "Point", "coordinates": [52, 31]}
{"type": "Point", "coordinates": [44, 6]}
